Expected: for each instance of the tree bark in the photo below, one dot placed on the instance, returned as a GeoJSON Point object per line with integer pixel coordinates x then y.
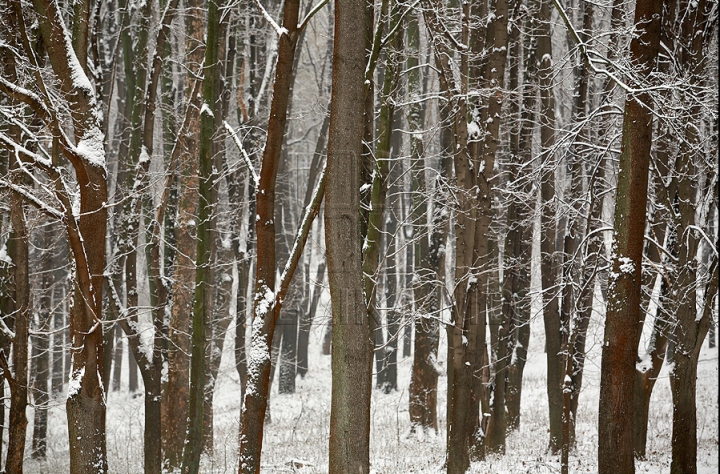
{"type": "Point", "coordinates": [266, 302]}
{"type": "Point", "coordinates": [18, 381]}
{"type": "Point", "coordinates": [617, 382]}
{"type": "Point", "coordinates": [549, 263]}
{"type": "Point", "coordinates": [689, 325]}
{"type": "Point", "coordinates": [352, 347]}
{"type": "Point", "coordinates": [176, 395]}
{"type": "Point", "coordinates": [203, 298]}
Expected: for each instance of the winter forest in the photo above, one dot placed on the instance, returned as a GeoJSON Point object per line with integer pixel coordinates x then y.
{"type": "Point", "coordinates": [358, 236]}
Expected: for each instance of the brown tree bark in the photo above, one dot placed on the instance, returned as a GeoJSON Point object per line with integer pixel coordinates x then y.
{"type": "Point", "coordinates": [85, 404]}
{"type": "Point", "coordinates": [493, 77]}
{"type": "Point", "coordinates": [617, 382]}
{"type": "Point", "coordinates": [549, 264]}
{"type": "Point", "coordinates": [177, 391]}
{"type": "Point", "coordinates": [689, 326]}
{"type": "Point", "coordinates": [267, 302]}
{"type": "Point", "coordinates": [351, 349]}
{"type": "Point", "coordinates": [18, 377]}
{"type": "Point", "coordinates": [426, 292]}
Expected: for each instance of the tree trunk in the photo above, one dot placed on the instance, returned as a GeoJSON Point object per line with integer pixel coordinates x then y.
{"type": "Point", "coordinates": [41, 351]}
{"type": "Point", "coordinates": [617, 382]}
{"type": "Point", "coordinates": [176, 396]}
{"type": "Point", "coordinates": [689, 325]}
{"type": "Point", "coordinates": [521, 229]}
{"type": "Point", "coordinates": [58, 343]}
{"type": "Point", "coordinates": [548, 263]}
{"type": "Point", "coordinates": [646, 375]}
{"type": "Point", "coordinates": [266, 301]}
{"type": "Point", "coordinates": [352, 349]}
{"type": "Point", "coordinates": [19, 380]}
{"type": "Point", "coordinates": [86, 399]}
{"type": "Point", "coordinates": [497, 41]}
{"type": "Point", "coordinates": [203, 298]}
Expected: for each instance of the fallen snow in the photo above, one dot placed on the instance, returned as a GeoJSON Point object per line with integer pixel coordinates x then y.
{"type": "Point", "coordinates": [300, 422]}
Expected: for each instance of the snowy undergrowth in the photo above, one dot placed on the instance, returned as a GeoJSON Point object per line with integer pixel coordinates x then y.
{"type": "Point", "coordinates": [296, 440]}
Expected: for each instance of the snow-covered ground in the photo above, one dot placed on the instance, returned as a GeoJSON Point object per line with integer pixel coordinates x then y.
{"type": "Point", "coordinates": [298, 433]}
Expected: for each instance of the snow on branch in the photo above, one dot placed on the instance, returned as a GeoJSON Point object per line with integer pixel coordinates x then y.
{"type": "Point", "coordinates": [243, 153]}
{"type": "Point", "coordinates": [390, 34]}
{"type": "Point", "coordinates": [278, 29]}
{"type": "Point", "coordinates": [302, 234]}
{"type": "Point", "coordinates": [6, 330]}
{"type": "Point", "coordinates": [311, 14]}
{"type": "Point", "coordinates": [582, 46]}
{"type": "Point", "coordinates": [32, 199]}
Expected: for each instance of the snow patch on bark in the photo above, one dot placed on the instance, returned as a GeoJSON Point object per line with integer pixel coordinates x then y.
{"type": "Point", "coordinates": [75, 382]}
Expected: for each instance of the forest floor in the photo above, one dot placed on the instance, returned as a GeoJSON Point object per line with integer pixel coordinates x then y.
{"type": "Point", "coordinates": [297, 438]}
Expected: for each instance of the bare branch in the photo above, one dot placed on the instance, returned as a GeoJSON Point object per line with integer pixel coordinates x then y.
{"type": "Point", "coordinates": [311, 14]}
{"type": "Point", "coordinates": [278, 29]}
{"type": "Point", "coordinates": [243, 153]}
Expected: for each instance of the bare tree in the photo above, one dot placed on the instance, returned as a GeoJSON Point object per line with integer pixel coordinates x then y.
{"type": "Point", "coordinates": [617, 383]}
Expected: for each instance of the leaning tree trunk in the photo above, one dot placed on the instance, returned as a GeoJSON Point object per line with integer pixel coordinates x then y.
{"type": "Point", "coordinates": [267, 302]}
{"type": "Point", "coordinates": [306, 319]}
{"type": "Point", "coordinates": [617, 382]}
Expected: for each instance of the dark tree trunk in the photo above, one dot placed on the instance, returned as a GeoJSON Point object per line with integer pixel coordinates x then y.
{"type": "Point", "coordinates": [18, 381]}
{"type": "Point", "coordinates": [646, 376]}
{"type": "Point", "coordinates": [689, 325]}
{"type": "Point", "coordinates": [267, 303]}
{"type": "Point", "coordinates": [494, 73]}
{"type": "Point", "coordinates": [617, 383]}
{"type": "Point", "coordinates": [521, 229]}
{"type": "Point", "coordinates": [58, 342]}
{"type": "Point", "coordinates": [548, 262]}
{"type": "Point", "coordinates": [41, 350]}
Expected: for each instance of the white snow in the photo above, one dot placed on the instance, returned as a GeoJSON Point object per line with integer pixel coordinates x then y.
{"type": "Point", "coordinates": [627, 266]}
{"type": "Point", "coordinates": [300, 422]}
{"type": "Point", "coordinates": [473, 130]}
{"type": "Point", "coordinates": [205, 109]}
{"type": "Point", "coordinates": [75, 382]}
{"type": "Point", "coordinates": [4, 257]}
{"type": "Point", "coordinates": [264, 300]}
{"type": "Point", "coordinates": [91, 148]}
